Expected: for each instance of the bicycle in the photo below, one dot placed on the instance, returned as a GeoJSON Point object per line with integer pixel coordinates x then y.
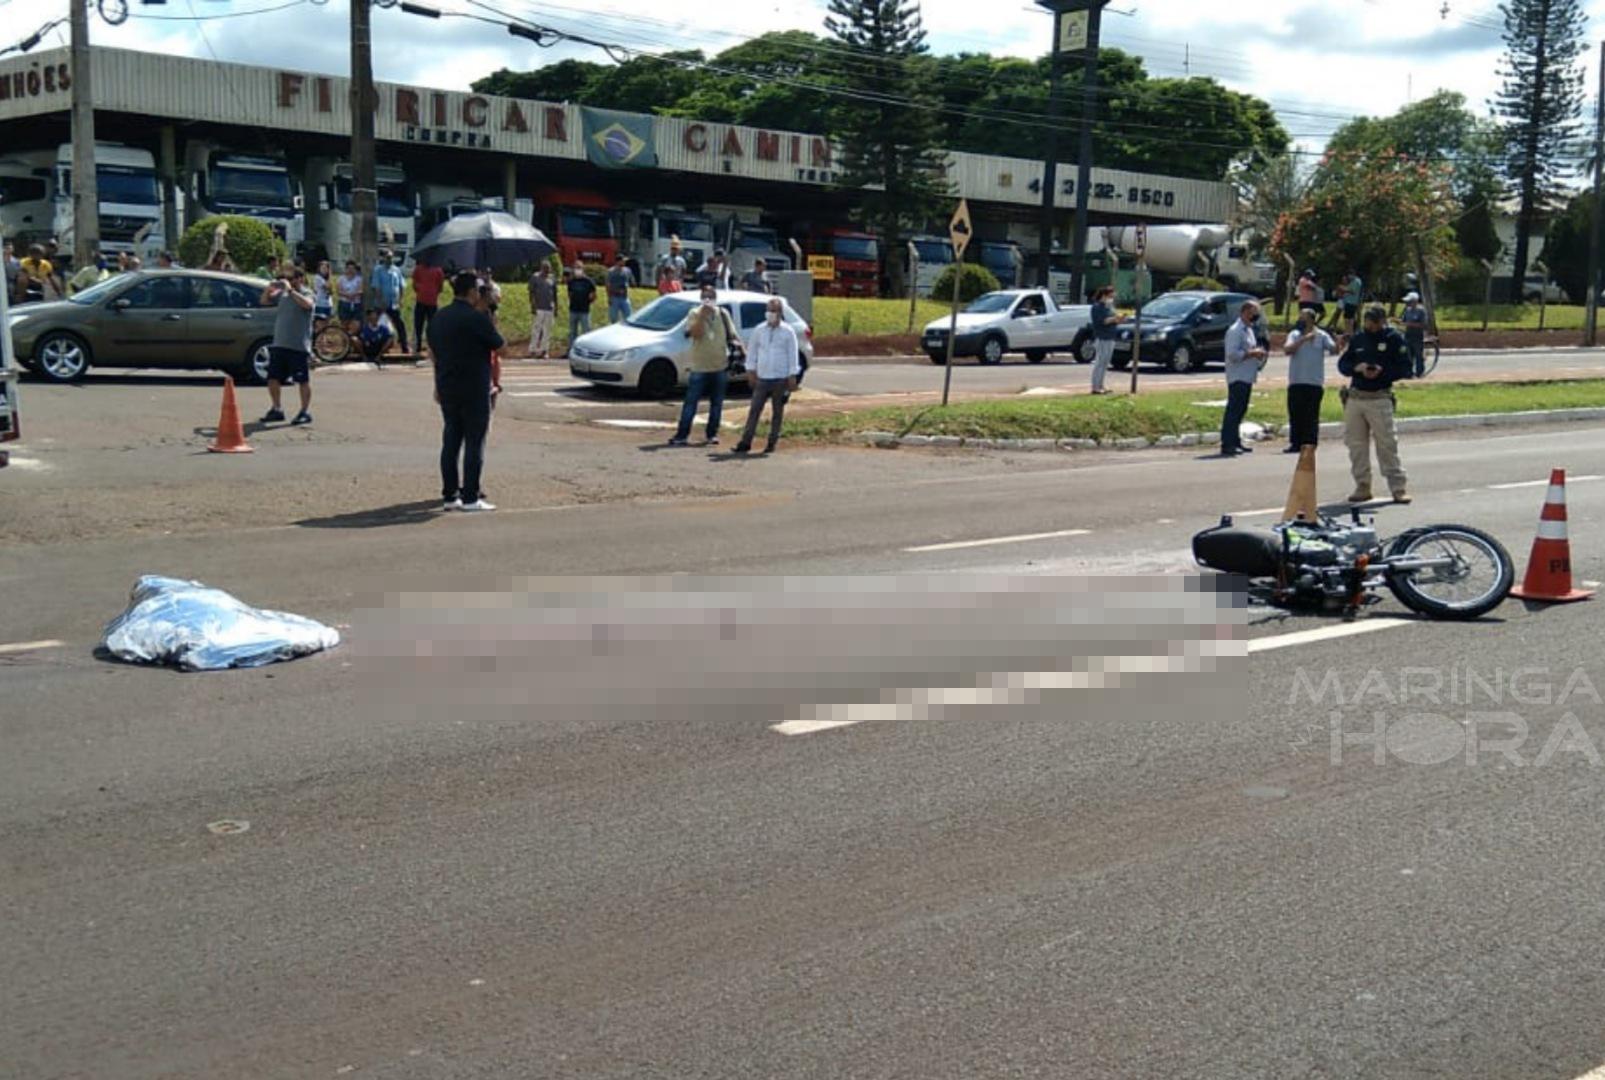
{"type": "Point", "coordinates": [1429, 356]}
{"type": "Point", "coordinates": [331, 342]}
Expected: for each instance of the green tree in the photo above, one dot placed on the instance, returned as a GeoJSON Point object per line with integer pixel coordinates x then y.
{"type": "Point", "coordinates": [1364, 211]}
{"type": "Point", "coordinates": [1194, 128]}
{"type": "Point", "coordinates": [1266, 191]}
{"type": "Point", "coordinates": [1540, 98]}
{"type": "Point", "coordinates": [647, 84]}
{"type": "Point", "coordinates": [566, 80]}
{"type": "Point", "coordinates": [1566, 248]}
{"type": "Point", "coordinates": [888, 129]}
{"type": "Point", "coordinates": [248, 242]}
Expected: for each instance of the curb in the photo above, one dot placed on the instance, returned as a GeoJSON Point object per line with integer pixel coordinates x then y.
{"type": "Point", "coordinates": [886, 440]}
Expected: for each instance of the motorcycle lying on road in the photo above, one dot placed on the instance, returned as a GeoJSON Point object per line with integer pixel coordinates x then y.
{"type": "Point", "coordinates": [1441, 571]}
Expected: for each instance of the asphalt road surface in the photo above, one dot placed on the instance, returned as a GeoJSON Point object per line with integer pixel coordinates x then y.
{"type": "Point", "coordinates": [840, 763]}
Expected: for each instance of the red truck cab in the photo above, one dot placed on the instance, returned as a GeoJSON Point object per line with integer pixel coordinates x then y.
{"type": "Point", "coordinates": [581, 223]}
{"type": "Point", "coordinates": [855, 259]}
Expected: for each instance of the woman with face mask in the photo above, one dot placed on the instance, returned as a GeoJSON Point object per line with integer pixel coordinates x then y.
{"type": "Point", "coordinates": [711, 334]}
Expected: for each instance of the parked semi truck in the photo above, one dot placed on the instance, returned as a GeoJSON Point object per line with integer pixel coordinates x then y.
{"type": "Point", "coordinates": [746, 239]}
{"type": "Point", "coordinates": [582, 224]}
{"type": "Point", "coordinates": [328, 210]}
{"type": "Point", "coordinates": [36, 198]}
{"type": "Point", "coordinates": [1005, 261]}
{"type": "Point", "coordinates": [647, 234]}
{"type": "Point", "coordinates": [935, 255]}
{"type": "Point", "coordinates": [853, 261]}
{"type": "Point", "coordinates": [223, 181]}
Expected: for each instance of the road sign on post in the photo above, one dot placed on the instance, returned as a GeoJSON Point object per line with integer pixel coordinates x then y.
{"type": "Point", "coordinates": [959, 231]}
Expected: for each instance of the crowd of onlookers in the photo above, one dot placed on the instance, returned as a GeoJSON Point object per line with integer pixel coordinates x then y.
{"type": "Point", "coordinates": [39, 274]}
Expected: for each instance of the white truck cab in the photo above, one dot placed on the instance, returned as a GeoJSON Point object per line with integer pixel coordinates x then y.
{"type": "Point", "coordinates": [648, 234]}
{"type": "Point", "coordinates": [37, 206]}
{"type": "Point", "coordinates": [935, 255]}
{"type": "Point", "coordinates": [224, 181]}
{"type": "Point", "coordinates": [328, 209]}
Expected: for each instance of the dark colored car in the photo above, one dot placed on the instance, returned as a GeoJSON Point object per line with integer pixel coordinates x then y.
{"type": "Point", "coordinates": [183, 319]}
{"type": "Point", "coordinates": [1182, 331]}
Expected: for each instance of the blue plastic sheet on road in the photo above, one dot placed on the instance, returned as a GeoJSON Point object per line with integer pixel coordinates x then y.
{"type": "Point", "coordinates": [198, 628]}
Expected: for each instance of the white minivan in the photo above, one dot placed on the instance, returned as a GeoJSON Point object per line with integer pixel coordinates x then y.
{"type": "Point", "coordinates": [648, 351]}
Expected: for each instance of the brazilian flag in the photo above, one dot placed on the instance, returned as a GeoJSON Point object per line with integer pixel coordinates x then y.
{"type": "Point", "coordinates": [618, 140]}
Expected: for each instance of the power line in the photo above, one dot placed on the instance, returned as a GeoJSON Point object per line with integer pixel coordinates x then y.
{"type": "Point", "coordinates": [195, 18]}
{"type": "Point", "coordinates": [33, 39]}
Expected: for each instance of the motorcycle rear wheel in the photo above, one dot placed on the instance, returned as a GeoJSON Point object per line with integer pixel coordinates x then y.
{"type": "Point", "coordinates": [1465, 592]}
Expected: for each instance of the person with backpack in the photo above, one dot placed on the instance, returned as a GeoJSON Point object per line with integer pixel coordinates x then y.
{"type": "Point", "coordinates": [712, 333]}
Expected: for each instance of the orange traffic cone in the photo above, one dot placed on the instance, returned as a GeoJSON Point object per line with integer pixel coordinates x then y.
{"type": "Point", "coordinates": [1301, 495]}
{"type": "Point", "coordinates": [230, 433]}
{"type": "Point", "coordinates": [1549, 568]}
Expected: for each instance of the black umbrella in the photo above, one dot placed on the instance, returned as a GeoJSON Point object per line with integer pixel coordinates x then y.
{"type": "Point", "coordinates": [489, 239]}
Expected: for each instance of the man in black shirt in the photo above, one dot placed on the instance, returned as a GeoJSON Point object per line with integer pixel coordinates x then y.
{"type": "Point", "coordinates": [1377, 357]}
{"type": "Point", "coordinates": [581, 295]}
{"type": "Point", "coordinates": [462, 339]}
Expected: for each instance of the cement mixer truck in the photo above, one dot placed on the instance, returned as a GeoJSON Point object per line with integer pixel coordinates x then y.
{"type": "Point", "coordinates": [1177, 251]}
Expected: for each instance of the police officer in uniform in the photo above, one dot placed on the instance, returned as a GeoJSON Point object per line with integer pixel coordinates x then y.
{"type": "Point", "coordinates": [1377, 357]}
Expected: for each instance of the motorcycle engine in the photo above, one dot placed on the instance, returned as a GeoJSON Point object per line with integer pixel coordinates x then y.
{"type": "Point", "coordinates": [1321, 557]}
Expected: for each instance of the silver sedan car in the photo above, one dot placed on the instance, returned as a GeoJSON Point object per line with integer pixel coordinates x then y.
{"type": "Point", "coordinates": [647, 352]}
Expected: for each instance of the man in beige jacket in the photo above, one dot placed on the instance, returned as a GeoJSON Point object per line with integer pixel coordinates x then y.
{"type": "Point", "coordinates": [710, 332]}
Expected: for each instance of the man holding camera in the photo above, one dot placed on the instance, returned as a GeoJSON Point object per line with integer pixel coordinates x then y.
{"type": "Point", "coordinates": [1307, 348]}
{"type": "Point", "coordinates": [292, 341]}
{"type": "Point", "coordinates": [1377, 357]}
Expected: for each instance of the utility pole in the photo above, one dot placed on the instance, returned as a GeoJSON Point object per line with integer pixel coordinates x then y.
{"type": "Point", "coordinates": [1089, 114]}
{"type": "Point", "coordinates": [364, 184]}
{"type": "Point", "coordinates": [1050, 166]}
{"type": "Point", "coordinates": [85, 190]}
{"type": "Point", "coordinates": [1591, 323]}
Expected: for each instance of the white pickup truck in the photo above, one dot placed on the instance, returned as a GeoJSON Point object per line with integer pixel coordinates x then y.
{"type": "Point", "coordinates": [1011, 320]}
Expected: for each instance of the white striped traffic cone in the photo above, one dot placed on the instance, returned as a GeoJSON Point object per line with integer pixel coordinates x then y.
{"type": "Point", "coordinates": [1549, 568]}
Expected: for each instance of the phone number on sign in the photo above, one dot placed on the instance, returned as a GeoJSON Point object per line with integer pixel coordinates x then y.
{"type": "Point", "coordinates": [1139, 196]}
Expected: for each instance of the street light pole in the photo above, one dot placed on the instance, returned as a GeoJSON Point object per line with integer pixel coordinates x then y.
{"type": "Point", "coordinates": [1076, 25]}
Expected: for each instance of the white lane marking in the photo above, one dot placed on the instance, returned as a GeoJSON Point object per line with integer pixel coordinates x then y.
{"type": "Point", "coordinates": [808, 727]}
{"type": "Point", "coordinates": [1008, 688]}
{"type": "Point", "coordinates": [30, 646]}
{"type": "Point", "coordinates": [28, 464]}
{"type": "Point", "coordinates": [1594, 1074]}
{"type": "Point", "coordinates": [1259, 513]}
{"type": "Point", "coordinates": [1541, 483]}
{"type": "Point", "coordinates": [955, 545]}
{"type": "Point", "coordinates": [636, 424]}
{"type": "Point", "coordinates": [1323, 633]}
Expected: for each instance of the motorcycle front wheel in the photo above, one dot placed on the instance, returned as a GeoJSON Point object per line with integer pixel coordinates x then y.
{"type": "Point", "coordinates": [1477, 582]}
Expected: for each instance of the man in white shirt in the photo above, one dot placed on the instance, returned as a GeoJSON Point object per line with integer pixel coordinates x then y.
{"type": "Point", "coordinates": [773, 366]}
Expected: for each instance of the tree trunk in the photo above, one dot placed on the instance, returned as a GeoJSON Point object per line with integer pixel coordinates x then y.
{"type": "Point", "coordinates": [1529, 166]}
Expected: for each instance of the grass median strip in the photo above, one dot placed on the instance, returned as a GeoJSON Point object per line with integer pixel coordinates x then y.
{"type": "Point", "coordinates": [1176, 412]}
